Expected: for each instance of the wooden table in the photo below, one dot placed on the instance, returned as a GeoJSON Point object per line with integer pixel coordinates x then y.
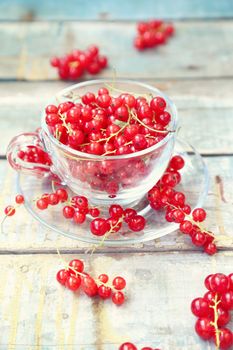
{"type": "Point", "coordinates": [195, 69]}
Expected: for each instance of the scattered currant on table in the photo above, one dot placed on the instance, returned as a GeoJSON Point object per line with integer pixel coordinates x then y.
{"type": "Point", "coordinates": [10, 210]}
{"type": "Point", "coordinates": [152, 34]}
{"type": "Point", "coordinates": [131, 346]}
{"type": "Point", "coordinates": [76, 63]}
{"type": "Point", "coordinates": [73, 277]}
{"type": "Point", "coordinates": [213, 310]}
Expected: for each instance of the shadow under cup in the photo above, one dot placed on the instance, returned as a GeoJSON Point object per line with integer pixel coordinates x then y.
{"type": "Point", "coordinates": [103, 180]}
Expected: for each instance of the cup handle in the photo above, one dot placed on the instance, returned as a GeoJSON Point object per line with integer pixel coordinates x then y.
{"type": "Point", "coordinates": [20, 142]}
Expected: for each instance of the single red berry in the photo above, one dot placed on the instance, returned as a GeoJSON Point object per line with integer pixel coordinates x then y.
{"type": "Point", "coordinates": [210, 248]}
{"type": "Point", "coordinates": [227, 300]}
{"type": "Point", "coordinates": [42, 203]}
{"type": "Point", "coordinates": [55, 62]}
{"type": "Point", "coordinates": [73, 282]}
{"type": "Point", "coordinates": [62, 276]}
{"type": "Point", "coordinates": [199, 239]}
{"type": "Point", "coordinates": [119, 283]}
{"type": "Point", "coordinates": [118, 298]}
{"type": "Point", "coordinates": [9, 210]}
{"type": "Point", "coordinates": [19, 199]}
{"type": "Point", "coordinates": [199, 214]}
{"type": "Point", "coordinates": [68, 212]}
{"type": "Point", "coordinates": [186, 226]}
{"type": "Point", "coordinates": [204, 328]}
{"type": "Point", "coordinates": [89, 286]}
{"type": "Point", "coordinates": [178, 215]}
{"type": "Point", "coordinates": [186, 209]}
{"type": "Point", "coordinates": [53, 199]}
{"type": "Point", "coordinates": [76, 265]}
{"type": "Point", "coordinates": [80, 202]}
{"type": "Point", "coordinates": [225, 338]}
{"type": "Point", "coordinates": [137, 223]}
{"type": "Point", "coordinates": [176, 163]}
{"type": "Point", "coordinates": [207, 281]}
{"type": "Point", "coordinates": [99, 226]}
{"type": "Point", "coordinates": [94, 212]}
{"type": "Point", "coordinates": [62, 194]}
{"type": "Point", "coordinates": [139, 142]}
{"type": "Point", "coordinates": [219, 283]}
{"type": "Point", "coordinates": [104, 292]}
{"type": "Point", "coordinates": [200, 307]}
{"type": "Point", "coordinates": [223, 316]}
{"type": "Point", "coordinates": [103, 278]}
{"type": "Point", "coordinates": [116, 211]}
{"type": "Point", "coordinates": [79, 217]}
{"type": "Point", "coordinates": [158, 104]}
{"type": "Point", "coordinates": [129, 214]}
{"type": "Point", "coordinates": [127, 346]}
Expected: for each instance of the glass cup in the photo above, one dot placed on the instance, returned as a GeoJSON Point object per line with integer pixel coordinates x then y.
{"type": "Point", "coordinates": [124, 179]}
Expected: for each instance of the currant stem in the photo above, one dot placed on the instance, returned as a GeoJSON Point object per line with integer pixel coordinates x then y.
{"type": "Point", "coordinates": [215, 322]}
{"type": "Point", "coordinates": [148, 127]}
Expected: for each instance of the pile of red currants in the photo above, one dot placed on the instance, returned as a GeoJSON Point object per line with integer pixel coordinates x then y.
{"type": "Point", "coordinates": [75, 64]}
{"type": "Point", "coordinates": [105, 125]}
{"type": "Point", "coordinates": [213, 310]}
{"type": "Point", "coordinates": [152, 34]}
{"type": "Point", "coordinates": [74, 278]}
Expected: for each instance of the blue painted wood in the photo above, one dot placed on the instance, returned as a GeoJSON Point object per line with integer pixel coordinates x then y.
{"type": "Point", "coordinates": [199, 49]}
{"type": "Point", "coordinates": [113, 10]}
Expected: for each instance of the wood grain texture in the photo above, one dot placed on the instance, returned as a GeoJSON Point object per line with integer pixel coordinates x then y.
{"type": "Point", "coordinates": [91, 324]}
{"type": "Point", "coordinates": [199, 106]}
{"type": "Point", "coordinates": [22, 234]}
{"type": "Point", "coordinates": [110, 10]}
{"type": "Point", "coordinates": [199, 49]}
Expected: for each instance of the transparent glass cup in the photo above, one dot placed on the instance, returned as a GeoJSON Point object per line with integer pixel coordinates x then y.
{"type": "Point", "coordinates": [124, 179]}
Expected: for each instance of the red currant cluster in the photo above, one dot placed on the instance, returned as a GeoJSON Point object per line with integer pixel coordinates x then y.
{"type": "Point", "coordinates": [107, 125]}
{"type": "Point", "coordinates": [100, 227]}
{"type": "Point", "coordinates": [10, 209]}
{"type": "Point", "coordinates": [74, 277]}
{"type": "Point", "coordinates": [213, 310]}
{"type": "Point", "coordinates": [76, 63]}
{"type": "Point", "coordinates": [78, 209]}
{"type": "Point", "coordinates": [131, 346]}
{"type": "Point", "coordinates": [152, 33]}
{"type": "Point", "coordinates": [34, 154]}
{"type": "Point", "coordinates": [163, 195]}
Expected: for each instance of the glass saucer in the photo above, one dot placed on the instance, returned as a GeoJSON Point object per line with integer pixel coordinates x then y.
{"type": "Point", "coordinates": [194, 184]}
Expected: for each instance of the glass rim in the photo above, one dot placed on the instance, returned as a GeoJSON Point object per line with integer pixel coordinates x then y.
{"type": "Point", "coordinates": [80, 154]}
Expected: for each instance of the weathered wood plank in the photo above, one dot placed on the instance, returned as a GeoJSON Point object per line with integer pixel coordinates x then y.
{"type": "Point", "coordinates": [200, 104]}
{"type": "Point", "coordinates": [199, 49]}
{"type": "Point", "coordinates": [110, 10]}
{"type": "Point", "coordinates": [23, 234]}
{"type": "Point", "coordinates": [39, 313]}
